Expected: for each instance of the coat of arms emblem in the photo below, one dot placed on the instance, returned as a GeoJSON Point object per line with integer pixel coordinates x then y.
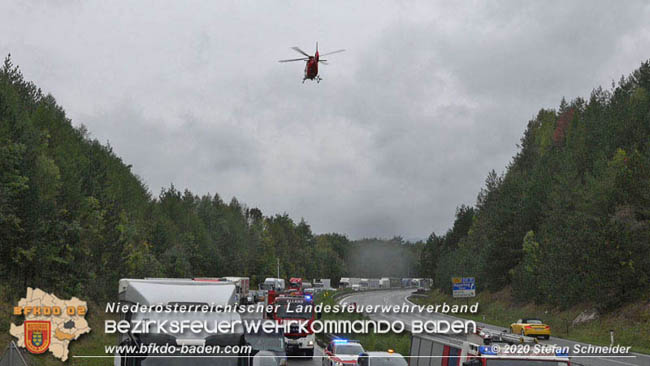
{"type": "Point", "coordinates": [37, 335]}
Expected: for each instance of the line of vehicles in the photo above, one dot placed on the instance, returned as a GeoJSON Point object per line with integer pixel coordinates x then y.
{"type": "Point", "coordinates": [289, 306]}
{"type": "Point", "coordinates": [362, 284]}
{"type": "Point", "coordinates": [258, 348]}
{"type": "Point", "coordinates": [156, 347]}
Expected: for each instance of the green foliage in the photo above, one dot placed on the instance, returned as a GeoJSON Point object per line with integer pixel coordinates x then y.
{"type": "Point", "coordinates": [74, 218]}
{"type": "Point", "coordinates": [569, 221]}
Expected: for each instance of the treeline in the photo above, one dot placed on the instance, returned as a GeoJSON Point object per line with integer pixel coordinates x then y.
{"type": "Point", "coordinates": [569, 220]}
{"type": "Point", "coordinates": [74, 218]}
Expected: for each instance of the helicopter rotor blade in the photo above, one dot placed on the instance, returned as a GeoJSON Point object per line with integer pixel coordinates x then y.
{"type": "Point", "coordinates": [324, 62]}
{"type": "Point", "coordinates": [295, 59]}
{"type": "Point", "coordinates": [333, 52]}
{"type": "Point", "coordinates": [300, 51]}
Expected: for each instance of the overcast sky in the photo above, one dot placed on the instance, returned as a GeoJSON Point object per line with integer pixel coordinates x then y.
{"type": "Point", "coordinates": [405, 126]}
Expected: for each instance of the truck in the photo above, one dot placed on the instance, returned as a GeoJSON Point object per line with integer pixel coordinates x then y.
{"type": "Point", "coordinates": [483, 348]}
{"type": "Point", "coordinates": [242, 288]}
{"type": "Point", "coordinates": [384, 282]}
{"type": "Point", "coordinates": [363, 284]}
{"type": "Point", "coordinates": [133, 294]}
{"type": "Point", "coordinates": [327, 283]}
{"type": "Point", "coordinates": [373, 283]}
{"type": "Point", "coordinates": [297, 310]}
{"type": "Point", "coordinates": [275, 284]}
{"type": "Point", "coordinates": [349, 282]}
{"type": "Point", "coordinates": [295, 284]}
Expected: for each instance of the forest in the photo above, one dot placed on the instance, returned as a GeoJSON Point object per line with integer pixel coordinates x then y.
{"type": "Point", "coordinates": [568, 221]}
{"type": "Point", "coordinates": [74, 218]}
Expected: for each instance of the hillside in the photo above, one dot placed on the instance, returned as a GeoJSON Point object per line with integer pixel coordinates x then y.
{"type": "Point", "coordinates": [569, 220]}
{"type": "Point", "coordinates": [74, 218]}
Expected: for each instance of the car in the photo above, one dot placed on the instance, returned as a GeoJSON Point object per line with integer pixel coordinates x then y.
{"type": "Point", "coordinates": [342, 352]}
{"type": "Point", "coordinates": [531, 327]}
{"type": "Point", "coordinates": [377, 358]}
{"type": "Point", "coordinates": [265, 358]}
{"type": "Point", "coordinates": [260, 295]}
{"type": "Point", "coordinates": [272, 342]}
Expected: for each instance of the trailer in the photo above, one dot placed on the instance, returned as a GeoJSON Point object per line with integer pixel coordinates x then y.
{"type": "Point", "coordinates": [136, 295]}
{"type": "Point", "coordinates": [242, 288]}
{"type": "Point", "coordinates": [270, 283]}
{"type": "Point", "coordinates": [373, 283]}
{"type": "Point", "coordinates": [326, 283]}
{"type": "Point", "coordinates": [363, 284]}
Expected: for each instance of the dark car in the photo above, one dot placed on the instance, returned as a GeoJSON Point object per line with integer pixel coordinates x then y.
{"type": "Point", "coordinates": [271, 342]}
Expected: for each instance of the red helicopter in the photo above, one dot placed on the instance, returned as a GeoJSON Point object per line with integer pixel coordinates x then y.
{"type": "Point", "coordinates": [311, 66]}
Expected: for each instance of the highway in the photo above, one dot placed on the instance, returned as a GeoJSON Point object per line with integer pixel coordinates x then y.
{"type": "Point", "coordinates": [399, 297]}
{"type": "Point", "coordinates": [316, 361]}
{"type": "Point", "coordinates": [295, 360]}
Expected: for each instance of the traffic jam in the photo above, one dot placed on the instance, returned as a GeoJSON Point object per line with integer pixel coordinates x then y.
{"type": "Point", "coordinates": [290, 306]}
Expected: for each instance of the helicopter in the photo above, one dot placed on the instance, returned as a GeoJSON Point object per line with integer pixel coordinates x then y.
{"type": "Point", "coordinates": [311, 62]}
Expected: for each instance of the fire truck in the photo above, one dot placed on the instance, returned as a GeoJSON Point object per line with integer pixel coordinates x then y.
{"type": "Point", "coordinates": [486, 347]}
{"type": "Point", "coordinates": [297, 310]}
{"type": "Point", "coordinates": [295, 284]}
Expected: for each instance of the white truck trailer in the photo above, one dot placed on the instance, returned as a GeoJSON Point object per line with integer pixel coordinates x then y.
{"type": "Point", "coordinates": [373, 283]}
{"type": "Point", "coordinates": [140, 301]}
{"type": "Point", "coordinates": [242, 288]}
{"type": "Point", "coordinates": [275, 284]}
{"type": "Point", "coordinates": [327, 283]}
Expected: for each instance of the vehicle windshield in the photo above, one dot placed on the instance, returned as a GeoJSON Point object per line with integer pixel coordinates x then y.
{"type": "Point", "coordinates": [387, 361]}
{"type": "Point", "coordinates": [514, 362]}
{"type": "Point", "coordinates": [219, 360]}
{"type": "Point", "coordinates": [266, 342]}
{"type": "Point", "coordinates": [534, 321]}
{"type": "Point", "coordinates": [264, 361]}
{"type": "Point", "coordinates": [348, 349]}
{"type": "Point", "coordinates": [267, 286]}
{"type": "Point", "coordinates": [295, 310]}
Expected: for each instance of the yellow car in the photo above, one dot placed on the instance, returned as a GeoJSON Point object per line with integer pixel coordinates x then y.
{"type": "Point", "coordinates": [531, 327]}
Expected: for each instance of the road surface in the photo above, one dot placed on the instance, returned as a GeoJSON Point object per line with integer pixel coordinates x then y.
{"type": "Point", "coordinates": [295, 360]}
{"type": "Point", "coordinates": [399, 297]}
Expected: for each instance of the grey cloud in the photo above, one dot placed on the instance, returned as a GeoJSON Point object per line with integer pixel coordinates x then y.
{"type": "Point", "coordinates": [405, 126]}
